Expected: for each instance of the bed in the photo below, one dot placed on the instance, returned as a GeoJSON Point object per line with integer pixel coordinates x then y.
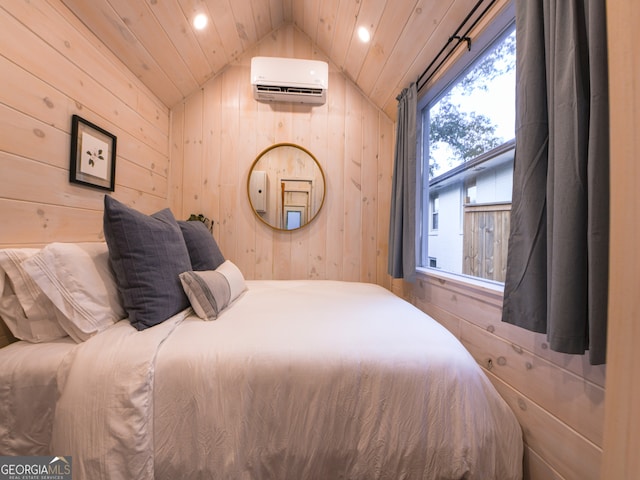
{"type": "Point", "coordinates": [265, 379]}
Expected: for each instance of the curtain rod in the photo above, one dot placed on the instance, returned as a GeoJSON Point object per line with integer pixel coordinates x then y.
{"type": "Point", "coordinates": [458, 38]}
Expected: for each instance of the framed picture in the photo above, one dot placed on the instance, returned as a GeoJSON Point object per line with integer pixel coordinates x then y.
{"type": "Point", "coordinates": [93, 155]}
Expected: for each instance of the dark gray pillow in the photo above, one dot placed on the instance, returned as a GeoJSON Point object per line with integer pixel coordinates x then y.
{"type": "Point", "coordinates": [203, 248]}
{"type": "Point", "coordinates": [147, 254]}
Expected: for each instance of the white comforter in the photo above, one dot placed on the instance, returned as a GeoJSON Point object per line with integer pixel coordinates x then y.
{"type": "Point", "coordinates": [28, 392]}
{"type": "Point", "coordinates": [296, 380]}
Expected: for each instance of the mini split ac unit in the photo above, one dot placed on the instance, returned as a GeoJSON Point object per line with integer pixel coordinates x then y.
{"type": "Point", "coordinates": [276, 79]}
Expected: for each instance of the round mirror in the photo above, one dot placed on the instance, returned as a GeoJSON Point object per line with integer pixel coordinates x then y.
{"type": "Point", "coordinates": [286, 186]}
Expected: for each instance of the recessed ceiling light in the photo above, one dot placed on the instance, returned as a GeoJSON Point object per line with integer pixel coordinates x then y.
{"type": "Point", "coordinates": [200, 21]}
{"type": "Point", "coordinates": [364, 34]}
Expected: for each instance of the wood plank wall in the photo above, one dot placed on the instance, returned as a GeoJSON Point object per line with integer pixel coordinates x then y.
{"type": "Point", "coordinates": [622, 417]}
{"type": "Point", "coordinates": [216, 134]}
{"type": "Point", "coordinates": [52, 67]}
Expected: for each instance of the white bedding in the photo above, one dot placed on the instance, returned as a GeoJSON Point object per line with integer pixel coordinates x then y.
{"type": "Point", "coordinates": [296, 380]}
{"type": "Point", "coordinates": [28, 392]}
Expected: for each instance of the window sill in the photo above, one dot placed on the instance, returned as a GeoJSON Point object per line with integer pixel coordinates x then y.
{"type": "Point", "coordinates": [488, 291]}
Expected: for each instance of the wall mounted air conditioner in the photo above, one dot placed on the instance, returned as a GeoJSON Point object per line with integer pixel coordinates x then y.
{"type": "Point", "coordinates": [276, 79]}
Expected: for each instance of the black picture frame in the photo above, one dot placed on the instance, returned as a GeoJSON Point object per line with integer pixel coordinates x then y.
{"type": "Point", "coordinates": [93, 155]}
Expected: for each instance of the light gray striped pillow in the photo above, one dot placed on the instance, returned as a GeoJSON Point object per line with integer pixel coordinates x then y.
{"type": "Point", "coordinates": [211, 291]}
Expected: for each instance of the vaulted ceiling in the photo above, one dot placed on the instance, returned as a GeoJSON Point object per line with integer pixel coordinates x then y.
{"type": "Point", "coordinates": [155, 39]}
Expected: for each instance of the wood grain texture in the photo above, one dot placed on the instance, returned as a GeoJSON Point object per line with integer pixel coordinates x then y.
{"type": "Point", "coordinates": [158, 43]}
{"type": "Point", "coordinates": [80, 76]}
{"type": "Point", "coordinates": [343, 242]}
{"type": "Point", "coordinates": [622, 417]}
{"type": "Point", "coordinates": [485, 241]}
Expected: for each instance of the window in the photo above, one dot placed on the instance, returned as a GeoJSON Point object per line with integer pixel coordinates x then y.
{"type": "Point", "coordinates": [467, 130]}
{"type": "Point", "coordinates": [435, 206]}
{"type": "Point", "coordinates": [470, 190]}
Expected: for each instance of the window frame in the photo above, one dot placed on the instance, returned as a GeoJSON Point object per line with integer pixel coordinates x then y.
{"type": "Point", "coordinates": [499, 27]}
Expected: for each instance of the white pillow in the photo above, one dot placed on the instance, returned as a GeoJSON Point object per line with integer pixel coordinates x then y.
{"type": "Point", "coordinates": [24, 307]}
{"type": "Point", "coordinates": [77, 278]}
{"type": "Point", "coordinates": [211, 291]}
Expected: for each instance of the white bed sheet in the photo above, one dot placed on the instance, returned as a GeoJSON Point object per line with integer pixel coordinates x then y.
{"type": "Point", "coordinates": [297, 379]}
{"type": "Point", "coordinates": [28, 393]}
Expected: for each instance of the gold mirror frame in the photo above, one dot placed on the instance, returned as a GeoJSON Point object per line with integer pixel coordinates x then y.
{"type": "Point", "coordinates": [283, 185]}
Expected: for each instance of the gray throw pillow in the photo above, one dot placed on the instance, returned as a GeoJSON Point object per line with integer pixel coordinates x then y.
{"type": "Point", "coordinates": [203, 249]}
{"type": "Point", "coordinates": [213, 291]}
{"type": "Point", "coordinates": [147, 254]}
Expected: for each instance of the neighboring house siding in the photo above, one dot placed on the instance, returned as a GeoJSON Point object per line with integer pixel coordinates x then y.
{"type": "Point", "coordinates": [495, 185]}
{"type": "Point", "coordinates": [445, 243]}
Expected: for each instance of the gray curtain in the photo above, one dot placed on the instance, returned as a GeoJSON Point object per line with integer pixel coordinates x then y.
{"type": "Point", "coordinates": [557, 270]}
{"type": "Point", "coordinates": [402, 226]}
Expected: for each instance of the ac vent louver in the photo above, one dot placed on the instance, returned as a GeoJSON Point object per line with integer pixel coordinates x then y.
{"type": "Point", "coordinates": [293, 90]}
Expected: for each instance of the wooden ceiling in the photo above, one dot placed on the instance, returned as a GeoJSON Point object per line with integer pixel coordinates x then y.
{"type": "Point", "coordinates": [155, 38]}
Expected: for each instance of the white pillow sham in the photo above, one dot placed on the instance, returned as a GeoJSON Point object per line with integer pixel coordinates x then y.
{"type": "Point", "coordinates": [78, 280]}
{"type": "Point", "coordinates": [24, 307]}
{"type": "Point", "coordinates": [211, 291]}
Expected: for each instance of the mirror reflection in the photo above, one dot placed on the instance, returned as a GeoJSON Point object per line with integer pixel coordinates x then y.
{"type": "Point", "coordinates": [286, 186]}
